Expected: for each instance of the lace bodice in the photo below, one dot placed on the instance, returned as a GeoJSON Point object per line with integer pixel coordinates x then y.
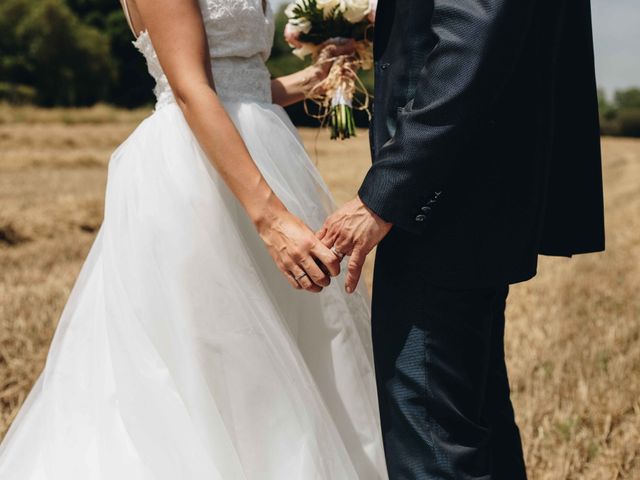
{"type": "Point", "coordinates": [240, 37]}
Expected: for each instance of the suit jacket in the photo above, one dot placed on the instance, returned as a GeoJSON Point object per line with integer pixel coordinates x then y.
{"type": "Point", "coordinates": [485, 136]}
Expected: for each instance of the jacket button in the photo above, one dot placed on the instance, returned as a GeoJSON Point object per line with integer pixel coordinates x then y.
{"type": "Point", "coordinates": [421, 218]}
{"type": "Point", "coordinates": [384, 66]}
{"type": "Point", "coordinates": [426, 209]}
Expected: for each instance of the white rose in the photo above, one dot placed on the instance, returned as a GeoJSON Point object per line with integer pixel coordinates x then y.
{"type": "Point", "coordinates": [328, 6]}
{"type": "Point", "coordinates": [291, 7]}
{"type": "Point", "coordinates": [373, 6]}
{"type": "Point", "coordinates": [299, 25]}
{"type": "Point", "coordinates": [355, 10]}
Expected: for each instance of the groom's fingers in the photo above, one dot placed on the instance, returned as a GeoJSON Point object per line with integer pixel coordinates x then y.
{"type": "Point", "coordinates": [324, 230]}
{"type": "Point", "coordinates": [320, 234]}
{"type": "Point", "coordinates": [327, 258]}
{"type": "Point", "coordinates": [329, 238]}
{"type": "Point", "coordinates": [343, 245]}
{"type": "Point", "coordinates": [354, 269]}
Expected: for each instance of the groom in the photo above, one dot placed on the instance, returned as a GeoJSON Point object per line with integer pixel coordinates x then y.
{"type": "Point", "coordinates": [485, 144]}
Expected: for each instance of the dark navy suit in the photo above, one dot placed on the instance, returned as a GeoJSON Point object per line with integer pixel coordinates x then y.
{"type": "Point", "coordinates": [485, 144]}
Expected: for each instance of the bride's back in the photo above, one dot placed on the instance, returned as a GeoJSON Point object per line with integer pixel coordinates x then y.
{"type": "Point", "coordinates": [237, 28]}
{"type": "Point", "coordinates": [240, 37]}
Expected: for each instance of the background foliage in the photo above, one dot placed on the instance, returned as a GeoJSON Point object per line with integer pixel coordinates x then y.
{"type": "Point", "coordinates": [53, 54]}
{"type": "Point", "coordinates": [621, 114]}
{"type": "Point", "coordinates": [79, 52]}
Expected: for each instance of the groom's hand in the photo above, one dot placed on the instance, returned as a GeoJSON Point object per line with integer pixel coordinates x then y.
{"type": "Point", "coordinates": [353, 230]}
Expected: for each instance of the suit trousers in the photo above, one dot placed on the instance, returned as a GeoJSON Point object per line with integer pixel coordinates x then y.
{"type": "Point", "coordinates": [442, 380]}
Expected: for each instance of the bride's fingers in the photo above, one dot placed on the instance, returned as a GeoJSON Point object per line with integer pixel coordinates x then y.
{"type": "Point", "coordinates": [324, 269]}
{"type": "Point", "coordinates": [286, 271]}
{"type": "Point", "coordinates": [314, 272]}
{"type": "Point", "coordinates": [292, 281]}
{"type": "Point", "coordinates": [302, 278]}
{"type": "Point", "coordinates": [347, 49]}
{"type": "Point", "coordinates": [338, 48]}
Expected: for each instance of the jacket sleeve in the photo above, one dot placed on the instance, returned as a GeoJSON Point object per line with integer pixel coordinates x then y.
{"type": "Point", "coordinates": [478, 43]}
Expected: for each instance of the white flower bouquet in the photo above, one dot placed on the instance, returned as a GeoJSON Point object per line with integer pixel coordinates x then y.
{"type": "Point", "coordinates": [312, 24]}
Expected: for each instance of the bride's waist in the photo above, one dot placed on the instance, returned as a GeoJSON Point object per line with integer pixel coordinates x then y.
{"type": "Point", "coordinates": [242, 79]}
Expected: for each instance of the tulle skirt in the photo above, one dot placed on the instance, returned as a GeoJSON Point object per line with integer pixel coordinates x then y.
{"type": "Point", "coordinates": [182, 352]}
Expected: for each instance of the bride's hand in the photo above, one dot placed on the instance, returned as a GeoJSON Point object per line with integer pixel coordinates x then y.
{"type": "Point", "coordinates": [295, 87]}
{"type": "Point", "coordinates": [331, 51]}
{"type": "Point", "coordinates": [301, 257]}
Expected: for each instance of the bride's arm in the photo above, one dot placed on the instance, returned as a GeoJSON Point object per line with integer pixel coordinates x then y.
{"type": "Point", "coordinates": [177, 32]}
{"type": "Point", "coordinates": [291, 89]}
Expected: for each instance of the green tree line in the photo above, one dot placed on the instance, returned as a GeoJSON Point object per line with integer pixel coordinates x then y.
{"type": "Point", "coordinates": [69, 53]}
{"type": "Point", "coordinates": [79, 52]}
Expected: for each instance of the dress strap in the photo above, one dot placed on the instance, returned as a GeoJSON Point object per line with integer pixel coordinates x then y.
{"type": "Point", "coordinates": [127, 15]}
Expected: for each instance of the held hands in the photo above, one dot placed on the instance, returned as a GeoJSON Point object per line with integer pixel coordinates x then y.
{"type": "Point", "coordinates": [309, 261]}
{"type": "Point", "coordinates": [299, 254]}
{"type": "Point", "coordinates": [353, 230]}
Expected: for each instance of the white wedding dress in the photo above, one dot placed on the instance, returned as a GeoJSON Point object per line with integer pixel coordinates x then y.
{"type": "Point", "coordinates": [182, 353]}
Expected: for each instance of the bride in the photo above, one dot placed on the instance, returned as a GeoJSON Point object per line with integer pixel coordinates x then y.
{"type": "Point", "coordinates": [183, 352]}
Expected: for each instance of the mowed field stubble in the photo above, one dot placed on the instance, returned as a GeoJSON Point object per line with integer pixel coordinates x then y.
{"type": "Point", "coordinates": [573, 333]}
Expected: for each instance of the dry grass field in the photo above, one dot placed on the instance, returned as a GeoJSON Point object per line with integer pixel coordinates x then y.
{"type": "Point", "coordinates": [573, 338]}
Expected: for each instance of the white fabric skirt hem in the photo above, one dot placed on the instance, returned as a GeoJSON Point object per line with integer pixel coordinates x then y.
{"type": "Point", "coordinates": [182, 352]}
